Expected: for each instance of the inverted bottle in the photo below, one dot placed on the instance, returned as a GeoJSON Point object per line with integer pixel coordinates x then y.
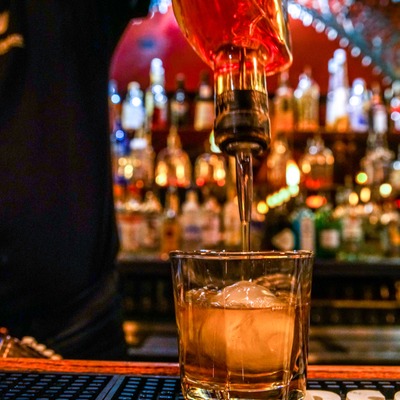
{"type": "Point", "coordinates": [243, 42]}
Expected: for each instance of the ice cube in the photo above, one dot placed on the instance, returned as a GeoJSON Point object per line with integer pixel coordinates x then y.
{"type": "Point", "coordinates": [245, 294]}
{"type": "Point", "coordinates": [256, 338]}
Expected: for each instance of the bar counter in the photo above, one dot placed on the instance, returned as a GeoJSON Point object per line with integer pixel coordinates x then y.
{"type": "Point", "coordinates": [172, 369]}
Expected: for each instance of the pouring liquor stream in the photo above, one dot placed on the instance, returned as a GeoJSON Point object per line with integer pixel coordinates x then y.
{"type": "Point", "coordinates": [243, 42]}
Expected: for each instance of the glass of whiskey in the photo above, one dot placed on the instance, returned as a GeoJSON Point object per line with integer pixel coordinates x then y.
{"type": "Point", "coordinates": [243, 320]}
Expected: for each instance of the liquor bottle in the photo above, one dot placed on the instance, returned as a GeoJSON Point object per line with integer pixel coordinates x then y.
{"type": "Point", "coordinates": [179, 104]}
{"type": "Point", "coordinates": [359, 105]}
{"type": "Point", "coordinates": [328, 231]}
{"type": "Point", "coordinates": [377, 160]}
{"type": "Point", "coordinates": [283, 108]}
{"type": "Point", "coordinates": [378, 111]}
{"type": "Point", "coordinates": [114, 102]}
{"type": "Point", "coordinates": [170, 229]}
{"type": "Point", "coordinates": [394, 176]}
{"type": "Point", "coordinates": [210, 167]}
{"type": "Point", "coordinates": [351, 222]}
{"type": "Point", "coordinates": [303, 224]}
{"type": "Point", "coordinates": [120, 152]}
{"type": "Point", "coordinates": [156, 100]}
{"type": "Point", "coordinates": [211, 218]}
{"type": "Point", "coordinates": [130, 223]}
{"type": "Point", "coordinates": [150, 231]}
{"type": "Point", "coordinates": [306, 96]}
{"type": "Point", "coordinates": [231, 221]}
{"type": "Point", "coordinates": [394, 107]}
{"type": "Point", "coordinates": [317, 165]}
{"type": "Point", "coordinates": [278, 231]}
{"type": "Point", "coordinates": [338, 93]}
{"type": "Point", "coordinates": [191, 222]}
{"type": "Point", "coordinates": [329, 112]}
{"type": "Point", "coordinates": [204, 104]}
{"type": "Point", "coordinates": [133, 112]}
{"type": "Point", "coordinates": [173, 166]}
{"type": "Point", "coordinates": [242, 43]}
{"type": "Point", "coordinates": [141, 162]}
{"type": "Point", "coordinates": [276, 163]}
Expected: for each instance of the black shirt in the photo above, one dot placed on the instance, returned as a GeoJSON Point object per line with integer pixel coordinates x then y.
{"type": "Point", "coordinates": [57, 227]}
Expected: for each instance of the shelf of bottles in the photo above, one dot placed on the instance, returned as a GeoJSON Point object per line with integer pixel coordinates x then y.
{"type": "Point", "coordinates": [329, 182]}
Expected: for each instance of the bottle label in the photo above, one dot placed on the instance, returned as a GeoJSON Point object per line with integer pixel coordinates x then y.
{"type": "Point", "coordinates": [352, 229]}
{"type": "Point", "coordinates": [307, 234]}
{"type": "Point", "coordinates": [204, 115]}
{"type": "Point", "coordinates": [211, 230]}
{"type": "Point", "coordinates": [130, 231]}
{"type": "Point", "coordinates": [329, 239]}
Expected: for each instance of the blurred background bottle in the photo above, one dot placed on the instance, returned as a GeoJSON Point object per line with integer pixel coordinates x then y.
{"type": "Point", "coordinates": [173, 166]}
{"type": "Point", "coordinates": [179, 104]}
{"type": "Point", "coordinates": [191, 222]}
{"type": "Point", "coordinates": [317, 165]}
{"type": "Point", "coordinates": [133, 111]}
{"type": "Point", "coordinates": [204, 111]}
{"type": "Point", "coordinates": [359, 106]}
{"type": "Point", "coordinates": [156, 99]}
{"type": "Point", "coordinates": [283, 108]}
{"type": "Point", "coordinates": [307, 96]}
{"type": "Point", "coordinates": [337, 119]}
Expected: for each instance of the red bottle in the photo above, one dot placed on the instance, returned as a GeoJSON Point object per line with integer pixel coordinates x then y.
{"type": "Point", "coordinates": [243, 42]}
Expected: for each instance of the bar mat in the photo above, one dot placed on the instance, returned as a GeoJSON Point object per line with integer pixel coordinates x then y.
{"type": "Point", "coordinates": [63, 386]}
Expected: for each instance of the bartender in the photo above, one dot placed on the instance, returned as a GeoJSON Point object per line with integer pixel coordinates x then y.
{"type": "Point", "coordinates": [58, 239]}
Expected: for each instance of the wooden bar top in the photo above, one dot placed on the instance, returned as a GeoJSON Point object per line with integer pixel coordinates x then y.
{"type": "Point", "coordinates": [172, 369]}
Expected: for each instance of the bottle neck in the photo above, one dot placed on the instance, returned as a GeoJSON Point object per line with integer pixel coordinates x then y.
{"type": "Point", "coordinates": [242, 115]}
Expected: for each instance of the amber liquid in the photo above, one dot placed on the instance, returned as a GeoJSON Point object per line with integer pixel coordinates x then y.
{"type": "Point", "coordinates": [224, 356]}
{"type": "Point", "coordinates": [209, 25]}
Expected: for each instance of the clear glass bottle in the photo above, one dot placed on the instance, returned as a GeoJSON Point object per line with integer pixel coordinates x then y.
{"type": "Point", "coordinates": [210, 167]}
{"type": "Point", "coordinates": [114, 102]}
{"type": "Point", "coordinates": [351, 222]}
{"type": "Point", "coordinates": [156, 99]}
{"type": "Point", "coordinates": [179, 104]}
{"type": "Point", "coordinates": [317, 165]}
{"type": "Point", "coordinates": [394, 174]}
{"type": "Point", "coordinates": [133, 111]}
{"type": "Point", "coordinates": [211, 218]}
{"type": "Point", "coordinates": [150, 230]}
{"type": "Point", "coordinates": [231, 221]}
{"type": "Point", "coordinates": [338, 93]}
{"type": "Point", "coordinates": [170, 230]}
{"type": "Point", "coordinates": [204, 111]}
{"type": "Point", "coordinates": [394, 107]}
{"type": "Point", "coordinates": [283, 107]}
{"type": "Point", "coordinates": [120, 152]}
{"type": "Point", "coordinates": [141, 162]}
{"type": "Point", "coordinates": [130, 223]}
{"type": "Point", "coordinates": [378, 111]}
{"type": "Point", "coordinates": [191, 222]}
{"type": "Point", "coordinates": [173, 166]}
{"type": "Point", "coordinates": [277, 161]}
{"type": "Point", "coordinates": [307, 96]}
{"type": "Point", "coordinates": [377, 160]}
{"type": "Point", "coordinates": [359, 106]}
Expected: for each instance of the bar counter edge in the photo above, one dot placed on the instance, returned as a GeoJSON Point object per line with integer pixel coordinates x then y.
{"type": "Point", "coordinates": [172, 369]}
